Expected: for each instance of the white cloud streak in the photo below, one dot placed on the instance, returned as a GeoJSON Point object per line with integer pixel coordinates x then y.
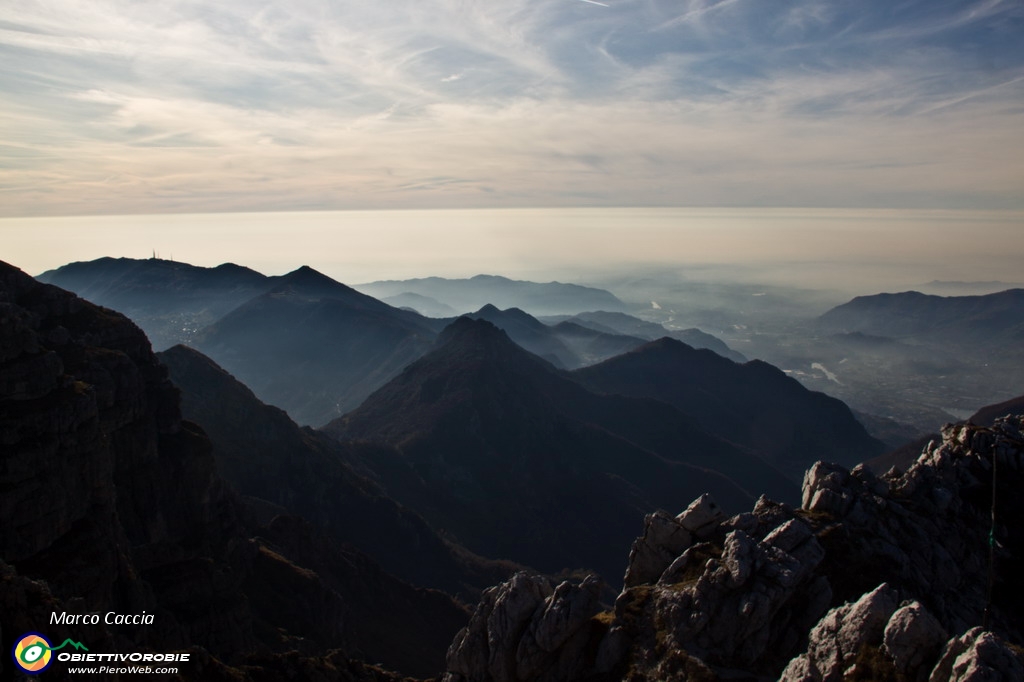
{"type": "Point", "coordinates": [182, 106]}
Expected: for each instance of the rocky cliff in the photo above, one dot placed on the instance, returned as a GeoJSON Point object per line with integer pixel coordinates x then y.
{"type": "Point", "coordinates": [110, 503]}
{"type": "Point", "coordinates": [872, 578]}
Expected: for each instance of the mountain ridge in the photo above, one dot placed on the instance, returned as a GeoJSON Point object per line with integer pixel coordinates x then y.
{"type": "Point", "coordinates": [488, 432]}
{"type": "Point", "coordinates": [754, 404]}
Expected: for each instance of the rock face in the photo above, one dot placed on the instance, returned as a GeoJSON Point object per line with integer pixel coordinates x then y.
{"type": "Point", "coordinates": [107, 493]}
{"type": "Point", "coordinates": [109, 502]}
{"type": "Point", "coordinates": [871, 579]}
{"type": "Point", "coordinates": [526, 630]}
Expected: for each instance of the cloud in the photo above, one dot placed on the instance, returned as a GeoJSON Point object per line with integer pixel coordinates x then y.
{"type": "Point", "coordinates": [119, 108]}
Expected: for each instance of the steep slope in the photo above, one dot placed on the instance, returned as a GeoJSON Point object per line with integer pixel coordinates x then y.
{"type": "Point", "coordinates": [465, 295]}
{"type": "Point", "coordinates": [264, 455]}
{"type": "Point", "coordinates": [517, 461]}
{"type": "Point", "coordinates": [170, 301]}
{"type": "Point", "coordinates": [529, 333]}
{"type": "Point", "coordinates": [882, 579]}
{"type": "Point", "coordinates": [987, 415]}
{"type": "Point", "coordinates": [987, 320]}
{"type": "Point", "coordinates": [313, 346]}
{"type": "Point", "coordinates": [621, 323]}
{"type": "Point", "coordinates": [424, 305]}
{"type": "Point", "coordinates": [109, 503]}
{"type": "Point", "coordinates": [754, 404]}
{"type": "Point", "coordinates": [564, 345]}
{"type": "Point", "coordinates": [903, 456]}
{"type": "Point", "coordinates": [591, 346]}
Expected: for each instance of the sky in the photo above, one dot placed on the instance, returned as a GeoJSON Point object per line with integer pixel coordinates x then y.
{"type": "Point", "coordinates": [187, 106]}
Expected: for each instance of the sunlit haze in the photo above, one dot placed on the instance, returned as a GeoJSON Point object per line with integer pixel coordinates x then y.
{"type": "Point", "coordinates": [450, 138]}
{"type": "Point", "coordinates": [859, 250]}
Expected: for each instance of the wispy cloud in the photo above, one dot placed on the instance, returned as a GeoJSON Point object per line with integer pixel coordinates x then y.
{"type": "Point", "coordinates": [114, 107]}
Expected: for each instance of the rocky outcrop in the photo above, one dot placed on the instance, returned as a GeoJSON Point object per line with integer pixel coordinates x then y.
{"type": "Point", "coordinates": [525, 630]}
{"type": "Point", "coordinates": [871, 639]}
{"type": "Point", "coordinates": [867, 580]}
{"type": "Point", "coordinates": [978, 656]}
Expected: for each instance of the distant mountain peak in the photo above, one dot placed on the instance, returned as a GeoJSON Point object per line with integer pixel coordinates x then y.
{"type": "Point", "coordinates": [668, 342]}
{"type": "Point", "coordinates": [307, 281]}
{"type": "Point", "coordinates": [466, 331]}
{"type": "Point", "coordinates": [306, 274]}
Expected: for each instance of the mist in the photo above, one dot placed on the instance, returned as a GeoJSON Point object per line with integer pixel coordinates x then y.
{"type": "Point", "coordinates": [849, 251]}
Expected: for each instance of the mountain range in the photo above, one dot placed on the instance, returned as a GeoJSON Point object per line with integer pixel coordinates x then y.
{"type": "Point", "coordinates": [467, 295]}
{"type": "Point", "coordinates": [494, 443]}
{"type": "Point", "coordinates": [565, 344]}
{"type": "Point", "coordinates": [309, 344]}
{"type": "Point", "coordinates": [111, 503]}
{"type": "Point", "coordinates": [979, 322]}
{"type": "Point", "coordinates": [628, 325]}
{"type": "Point", "coordinates": [137, 481]}
{"type": "Point", "coordinates": [754, 404]}
{"type": "Point", "coordinates": [169, 300]}
{"type": "Point", "coordinates": [281, 468]}
{"type": "Point", "coordinates": [314, 346]}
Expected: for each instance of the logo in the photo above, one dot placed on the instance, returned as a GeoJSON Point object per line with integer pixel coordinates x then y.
{"type": "Point", "coordinates": [33, 653]}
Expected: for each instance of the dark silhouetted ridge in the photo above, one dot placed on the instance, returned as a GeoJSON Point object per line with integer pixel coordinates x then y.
{"type": "Point", "coordinates": [516, 460]}
{"type": "Point", "coordinates": [111, 503]}
{"type": "Point", "coordinates": [265, 455]}
{"type": "Point", "coordinates": [306, 281]}
{"type": "Point", "coordinates": [754, 404]}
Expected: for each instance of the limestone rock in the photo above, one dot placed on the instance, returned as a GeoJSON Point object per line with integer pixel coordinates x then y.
{"type": "Point", "coordinates": [664, 539]}
{"type": "Point", "coordinates": [747, 594]}
{"type": "Point", "coordinates": [978, 656]}
{"type": "Point", "coordinates": [525, 630]}
{"type": "Point", "coordinates": [839, 637]}
{"type": "Point", "coordinates": [702, 516]}
{"type": "Point", "coordinates": [913, 638]}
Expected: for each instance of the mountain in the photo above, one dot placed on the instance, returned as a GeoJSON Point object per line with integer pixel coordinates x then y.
{"type": "Point", "coordinates": [987, 415]}
{"type": "Point", "coordinates": [171, 301]}
{"type": "Point", "coordinates": [314, 346]}
{"type": "Point", "coordinates": [754, 405]}
{"type": "Point", "coordinates": [302, 340]}
{"type": "Point", "coordinates": [903, 456]}
{"type": "Point", "coordinates": [424, 305]}
{"type": "Point", "coordinates": [957, 288]}
{"type": "Point", "coordinates": [621, 323]}
{"type": "Point", "coordinates": [880, 579]}
{"type": "Point", "coordinates": [988, 320]}
{"type": "Point", "coordinates": [565, 345]}
{"type": "Point", "coordinates": [111, 504]}
{"type": "Point", "coordinates": [465, 295]}
{"type": "Point", "coordinates": [590, 346]}
{"type": "Point", "coordinates": [265, 456]}
{"type": "Point", "coordinates": [516, 460]}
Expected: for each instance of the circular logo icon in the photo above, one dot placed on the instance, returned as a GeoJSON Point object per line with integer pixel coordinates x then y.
{"type": "Point", "coordinates": [32, 653]}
